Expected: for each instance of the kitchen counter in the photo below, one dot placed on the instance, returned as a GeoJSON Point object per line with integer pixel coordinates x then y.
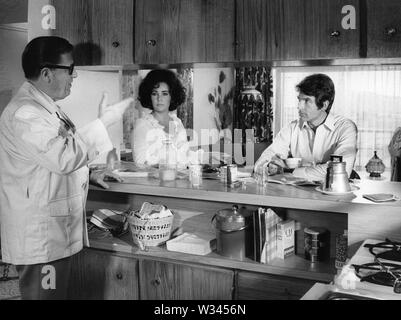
{"type": "Point", "coordinates": [365, 219]}
{"type": "Point", "coordinates": [194, 208]}
{"type": "Point", "coordinates": [275, 195]}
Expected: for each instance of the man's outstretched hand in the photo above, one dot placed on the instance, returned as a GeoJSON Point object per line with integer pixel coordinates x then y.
{"type": "Point", "coordinates": [110, 114]}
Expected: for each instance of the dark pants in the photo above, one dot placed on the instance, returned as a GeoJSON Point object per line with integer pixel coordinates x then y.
{"type": "Point", "coordinates": [45, 281]}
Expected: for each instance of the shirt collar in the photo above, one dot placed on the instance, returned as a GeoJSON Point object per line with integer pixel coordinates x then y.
{"type": "Point", "coordinates": [147, 114]}
{"type": "Point", "coordinates": [328, 123]}
{"type": "Point", "coordinates": [44, 100]}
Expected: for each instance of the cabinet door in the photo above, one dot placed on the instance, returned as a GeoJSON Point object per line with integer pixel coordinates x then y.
{"type": "Point", "coordinates": [383, 28]}
{"type": "Point", "coordinates": [173, 31]}
{"type": "Point", "coordinates": [101, 30]}
{"type": "Point", "coordinates": [295, 29]}
{"type": "Point", "coordinates": [255, 286]}
{"type": "Point", "coordinates": [161, 280]}
{"type": "Point", "coordinates": [102, 275]}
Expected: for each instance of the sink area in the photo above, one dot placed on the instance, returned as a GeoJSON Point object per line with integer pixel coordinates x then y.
{"type": "Point", "coordinates": [333, 295]}
{"type": "Point", "coordinates": [321, 291]}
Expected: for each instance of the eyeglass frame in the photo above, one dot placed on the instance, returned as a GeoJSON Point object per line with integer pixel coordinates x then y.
{"type": "Point", "coordinates": [70, 68]}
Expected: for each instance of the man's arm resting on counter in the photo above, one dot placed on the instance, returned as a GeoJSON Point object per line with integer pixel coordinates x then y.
{"type": "Point", "coordinates": [346, 147]}
{"type": "Point", "coordinates": [280, 146]}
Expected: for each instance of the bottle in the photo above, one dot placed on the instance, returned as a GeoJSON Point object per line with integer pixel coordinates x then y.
{"type": "Point", "coordinates": [341, 250]}
{"type": "Point", "coordinates": [168, 161]}
{"type": "Point", "coordinates": [112, 158]}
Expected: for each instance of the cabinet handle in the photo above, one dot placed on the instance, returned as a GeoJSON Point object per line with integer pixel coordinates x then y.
{"type": "Point", "coordinates": [151, 43]}
{"type": "Point", "coordinates": [156, 282]}
{"type": "Point", "coordinates": [119, 276]}
{"type": "Point", "coordinates": [391, 31]}
{"type": "Point", "coordinates": [335, 34]}
{"type": "Point", "coordinates": [115, 44]}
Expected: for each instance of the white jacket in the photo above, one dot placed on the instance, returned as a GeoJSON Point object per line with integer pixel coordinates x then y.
{"type": "Point", "coordinates": [43, 179]}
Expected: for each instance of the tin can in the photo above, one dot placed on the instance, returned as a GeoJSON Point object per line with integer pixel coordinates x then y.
{"type": "Point", "coordinates": [232, 173]}
{"type": "Point", "coordinates": [195, 174]}
{"type": "Point", "coordinates": [317, 244]}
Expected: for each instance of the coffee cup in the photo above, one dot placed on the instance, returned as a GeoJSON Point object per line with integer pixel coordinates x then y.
{"type": "Point", "coordinates": [293, 163]}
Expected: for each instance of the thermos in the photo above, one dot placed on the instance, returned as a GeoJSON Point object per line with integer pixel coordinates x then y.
{"type": "Point", "coordinates": [336, 176]}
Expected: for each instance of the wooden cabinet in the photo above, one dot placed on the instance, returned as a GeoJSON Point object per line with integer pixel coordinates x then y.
{"type": "Point", "coordinates": [171, 31]}
{"type": "Point", "coordinates": [295, 29]}
{"type": "Point", "coordinates": [102, 275]}
{"type": "Point", "coordinates": [383, 28]}
{"type": "Point", "coordinates": [100, 30]}
{"type": "Point", "coordinates": [256, 286]}
{"type": "Point", "coordinates": [164, 281]}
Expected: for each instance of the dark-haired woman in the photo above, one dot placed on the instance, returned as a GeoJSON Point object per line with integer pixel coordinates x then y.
{"type": "Point", "coordinates": [160, 93]}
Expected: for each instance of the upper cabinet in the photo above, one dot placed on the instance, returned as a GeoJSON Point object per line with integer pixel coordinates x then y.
{"type": "Point", "coordinates": [172, 31]}
{"type": "Point", "coordinates": [100, 30]}
{"type": "Point", "coordinates": [119, 32]}
{"type": "Point", "coordinates": [383, 28]}
{"type": "Point", "coordinates": [297, 29]}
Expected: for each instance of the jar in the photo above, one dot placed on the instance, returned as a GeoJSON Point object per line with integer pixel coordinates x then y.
{"type": "Point", "coordinates": [375, 167]}
{"type": "Point", "coordinates": [231, 232]}
{"type": "Point", "coordinates": [168, 161]}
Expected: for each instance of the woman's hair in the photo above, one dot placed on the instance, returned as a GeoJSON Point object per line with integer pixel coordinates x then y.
{"type": "Point", "coordinates": [151, 81]}
{"type": "Point", "coordinates": [319, 86]}
{"type": "Point", "coordinates": [43, 50]}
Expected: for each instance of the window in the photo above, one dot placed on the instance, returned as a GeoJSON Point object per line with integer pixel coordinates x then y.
{"type": "Point", "coordinates": [368, 95]}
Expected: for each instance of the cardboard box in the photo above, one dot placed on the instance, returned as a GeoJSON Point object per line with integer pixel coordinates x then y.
{"type": "Point", "coordinates": [285, 239]}
{"type": "Point", "coordinates": [200, 244]}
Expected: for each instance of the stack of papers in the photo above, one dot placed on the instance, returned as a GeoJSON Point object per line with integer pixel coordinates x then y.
{"type": "Point", "coordinates": [192, 243]}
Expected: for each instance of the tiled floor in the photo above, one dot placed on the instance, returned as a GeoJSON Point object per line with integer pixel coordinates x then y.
{"type": "Point", "coordinates": [9, 289]}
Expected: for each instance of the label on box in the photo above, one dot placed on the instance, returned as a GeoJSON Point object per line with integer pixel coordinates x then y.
{"type": "Point", "coordinates": [285, 239]}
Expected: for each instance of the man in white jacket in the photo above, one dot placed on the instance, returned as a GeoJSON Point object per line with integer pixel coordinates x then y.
{"type": "Point", "coordinates": [44, 170]}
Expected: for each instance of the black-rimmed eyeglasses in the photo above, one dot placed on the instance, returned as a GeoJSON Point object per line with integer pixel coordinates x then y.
{"type": "Point", "coordinates": [70, 68]}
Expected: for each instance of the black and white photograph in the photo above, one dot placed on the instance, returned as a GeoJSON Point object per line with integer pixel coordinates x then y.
{"type": "Point", "coordinates": [200, 157]}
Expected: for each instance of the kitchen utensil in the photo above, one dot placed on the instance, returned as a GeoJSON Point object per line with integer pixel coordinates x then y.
{"type": "Point", "coordinates": [337, 178]}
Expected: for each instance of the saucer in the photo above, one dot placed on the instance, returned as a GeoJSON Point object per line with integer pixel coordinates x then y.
{"type": "Point", "coordinates": [353, 188]}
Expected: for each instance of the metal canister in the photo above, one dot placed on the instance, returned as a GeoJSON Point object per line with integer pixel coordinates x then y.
{"type": "Point", "coordinates": [317, 244]}
{"type": "Point", "coordinates": [231, 232]}
{"type": "Point", "coordinates": [232, 173]}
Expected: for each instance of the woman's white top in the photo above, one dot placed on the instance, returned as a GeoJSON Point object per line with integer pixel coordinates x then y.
{"type": "Point", "coordinates": [148, 136]}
